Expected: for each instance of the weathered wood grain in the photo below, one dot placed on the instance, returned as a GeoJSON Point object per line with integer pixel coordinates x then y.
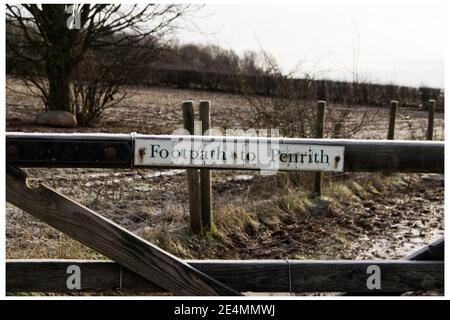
{"type": "Point", "coordinates": [243, 275]}
{"type": "Point", "coordinates": [431, 252]}
{"type": "Point", "coordinates": [396, 276]}
{"type": "Point", "coordinates": [205, 174]}
{"type": "Point", "coordinates": [431, 111]}
{"type": "Point", "coordinates": [108, 238]}
{"type": "Point", "coordinates": [434, 251]}
{"type": "Point", "coordinates": [393, 106]}
{"type": "Point", "coordinates": [318, 176]}
{"type": "Point", "coordinates": [27, 150]}
{"type": "Point", "coordinates": [193, 177]}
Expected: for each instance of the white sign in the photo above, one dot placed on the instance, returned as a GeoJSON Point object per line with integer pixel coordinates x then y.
{"type": "Point", "coordinates": [236, 153]}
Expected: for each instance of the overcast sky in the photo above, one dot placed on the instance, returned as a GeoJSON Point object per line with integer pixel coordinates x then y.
{"type": "Point", "coordinates": [386, 43]}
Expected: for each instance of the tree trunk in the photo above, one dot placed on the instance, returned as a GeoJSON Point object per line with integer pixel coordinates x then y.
{"type": "Point", "coordinates": [59, 56]}
{"type": "Point", "coordinates": [59, 86]}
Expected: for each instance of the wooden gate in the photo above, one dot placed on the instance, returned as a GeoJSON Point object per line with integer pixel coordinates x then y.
{"type": "Point", "coordinates": [138, 265]}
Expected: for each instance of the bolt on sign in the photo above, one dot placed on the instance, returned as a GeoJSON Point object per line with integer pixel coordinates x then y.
{"type": "Point", "coordinates": [271, 154]}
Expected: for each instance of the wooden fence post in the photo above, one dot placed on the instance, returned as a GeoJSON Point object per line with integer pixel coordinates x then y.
{"type": "Point", "coordinates": [431, 110]}
{"type": "Point", "coordinates": [192, 174]}
{"type": "Point", "coordinates": [392, 115]}
{"type": "Point", "coordinates": [205, 174]}
{"type": "Point", "coordinates": [318, 177]}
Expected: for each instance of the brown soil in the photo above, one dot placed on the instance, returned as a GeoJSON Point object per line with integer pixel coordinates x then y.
{"type": "Point", "coordinates": [361, 216]}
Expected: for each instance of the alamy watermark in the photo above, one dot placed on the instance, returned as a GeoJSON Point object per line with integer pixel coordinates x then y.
{"type": "Point", "coordinates": [74, 20]}
{"type": "Point", "coordinates": [73, 281]}
{"type": "Point", "coordinates": [374, 280]}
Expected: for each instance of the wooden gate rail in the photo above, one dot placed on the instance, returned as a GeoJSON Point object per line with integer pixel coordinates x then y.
{"type": "Point", "coordinates": [109, 239]}
{"type": "Point", "coordinates": [432, 252]}
{"type": "Point", "coordinates": [116, 151]}
{"type": "Point", "coordinates": [142, 266]}
{"type": "Point", "coordinates": [241, 275]}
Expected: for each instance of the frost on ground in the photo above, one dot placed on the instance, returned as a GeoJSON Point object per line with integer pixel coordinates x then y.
{"type": "Point", "coordinates": [360, 216]}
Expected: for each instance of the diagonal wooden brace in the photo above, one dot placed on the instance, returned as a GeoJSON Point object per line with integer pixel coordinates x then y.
{"type": "Point", "coordinates": [109, 239]}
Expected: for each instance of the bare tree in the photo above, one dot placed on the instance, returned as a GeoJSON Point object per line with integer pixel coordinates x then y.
{"type": "Point", "coordinates": [280, 100]}
{"type": "Point", "coordinates": [55, 41]}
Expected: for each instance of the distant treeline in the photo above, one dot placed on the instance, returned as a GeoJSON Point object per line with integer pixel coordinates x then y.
{"type": "Point", "coordinates": [308, 89]}
{"type": "Point", "coordinates": [210, 67]}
